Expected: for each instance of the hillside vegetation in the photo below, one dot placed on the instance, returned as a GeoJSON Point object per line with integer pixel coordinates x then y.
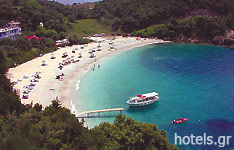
{"type": "Point", "coordinates": [87, 27]}
{"type": "Point", "coordinates": [133, 15]}
{"type": "Point", "coordinates": [56, 18]}
{"type": "Point", "coordinates": [203, 27]}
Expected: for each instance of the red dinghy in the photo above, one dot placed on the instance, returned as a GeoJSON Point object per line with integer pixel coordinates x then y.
{"type": "Point", "coordinates": [182, 120]}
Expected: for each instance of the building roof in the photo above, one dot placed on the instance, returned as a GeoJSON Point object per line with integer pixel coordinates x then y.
{"type": "Point", "coordinates": [150, 94]}
{"type": "Point", "coordinates": [14, 22]}
{"type": "Point", "coordinates": [7, 29]}
{"type": "Point", "coordinates": [32, 37]}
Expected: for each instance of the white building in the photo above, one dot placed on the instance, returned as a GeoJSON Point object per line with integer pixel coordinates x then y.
{"type": "Point", "coordinates": [12, 30]}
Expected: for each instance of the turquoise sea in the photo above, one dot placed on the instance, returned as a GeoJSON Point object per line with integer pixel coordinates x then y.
{"type": "Point", "coordinates": [194, 81]}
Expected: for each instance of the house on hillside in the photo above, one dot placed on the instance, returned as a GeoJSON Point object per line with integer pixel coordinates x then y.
{"type": "Point", "coordinates": [227, 40]}
{"type": "Point", "coordinates": [62, 42]}
{"type": "Point", "coordinates": [12, 30]}
{"type": "Point", "coordinates": [85, 5]}
{"type": "Point", "coordinates": [202, 12]}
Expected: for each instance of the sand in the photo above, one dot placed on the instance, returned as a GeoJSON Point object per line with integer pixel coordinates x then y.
{"type": "Point", "coordinates": [49, 88]}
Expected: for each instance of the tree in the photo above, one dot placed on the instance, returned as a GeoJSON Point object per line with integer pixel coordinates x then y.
{"type": "Point", "coordinates": [126, 133]}
{"type": "Point", "coordinates": [3, 62]}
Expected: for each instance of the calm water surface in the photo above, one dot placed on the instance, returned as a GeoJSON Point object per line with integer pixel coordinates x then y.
{"type": "Point", "coordinates": [194, 81]}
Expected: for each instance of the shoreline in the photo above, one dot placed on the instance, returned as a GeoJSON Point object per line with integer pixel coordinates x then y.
{"type": "Point", "coordinates": [99, 60]}
{"type": "Point", "coordinates": [48, 87]}
{"type": "Point", "coordinates": [202, 42]}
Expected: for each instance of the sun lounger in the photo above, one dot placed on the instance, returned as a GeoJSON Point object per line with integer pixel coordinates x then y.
{"type": "Point", "coordinates": [52, 57]}
{"type": "Point", "coordinates": [25, 77]}
{"type": "Point", "coordinates": [14, 83]}
{"type": "Point", "coordinates": [34, 80]}
{"type": "Point", "coordinates": [25, 96]}
{"type": "Point", "coordinates": [32, 84]}
{"type": "Point", "coordinates": [26, 92]}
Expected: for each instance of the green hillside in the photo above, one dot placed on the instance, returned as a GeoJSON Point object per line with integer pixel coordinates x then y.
{"type": "Point", "coordinates": [195, 27]}
{"type": "Point", "coordinates": [87, 27]}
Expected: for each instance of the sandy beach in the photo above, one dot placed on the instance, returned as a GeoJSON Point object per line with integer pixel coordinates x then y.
{"type": "Point", "coordinates": [47, 87]}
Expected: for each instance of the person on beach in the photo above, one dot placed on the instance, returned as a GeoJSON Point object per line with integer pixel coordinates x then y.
{"type": "Point", "coordinates": [98, 66]}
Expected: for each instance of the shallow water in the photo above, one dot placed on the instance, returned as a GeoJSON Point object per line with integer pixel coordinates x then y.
{"type": "Point", "coordinates": [194, 81]}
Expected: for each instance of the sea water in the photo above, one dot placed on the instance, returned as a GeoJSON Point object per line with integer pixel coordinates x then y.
{"type": "Point", "coordinates": [193, 81]}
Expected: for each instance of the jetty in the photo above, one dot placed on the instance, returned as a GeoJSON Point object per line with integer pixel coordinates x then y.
{"type": "Point", "coordinates": [97, 113]}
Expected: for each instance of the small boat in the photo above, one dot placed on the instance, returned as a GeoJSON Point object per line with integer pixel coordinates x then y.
{"type": "Point", "coordinates": [142, 100]}
{"type": "Point", "coordinates": [182, 120]}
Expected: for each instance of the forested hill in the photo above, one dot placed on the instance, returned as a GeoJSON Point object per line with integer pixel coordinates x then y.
{"type": "Point", "coordinates": [56, 17]}
{"type": "Point", "coordinates": [133, 15]}
{"type": "Point", "coordinates": [31, 12]}
{"type": "Point", "coordinates": [123, 15]}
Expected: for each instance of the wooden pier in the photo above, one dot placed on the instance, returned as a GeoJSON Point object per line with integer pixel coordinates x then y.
{"type": "Point", "coordinates": [91, 114]}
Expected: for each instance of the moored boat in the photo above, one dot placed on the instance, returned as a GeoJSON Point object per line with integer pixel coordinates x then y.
{"type": "Point", "coordinates": [142, 100]}
{"type": "Point", "coordinates": [182, 120]}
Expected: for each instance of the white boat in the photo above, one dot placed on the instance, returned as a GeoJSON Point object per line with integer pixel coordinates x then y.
{"type": "Point", "coordinates": [142, 100]}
